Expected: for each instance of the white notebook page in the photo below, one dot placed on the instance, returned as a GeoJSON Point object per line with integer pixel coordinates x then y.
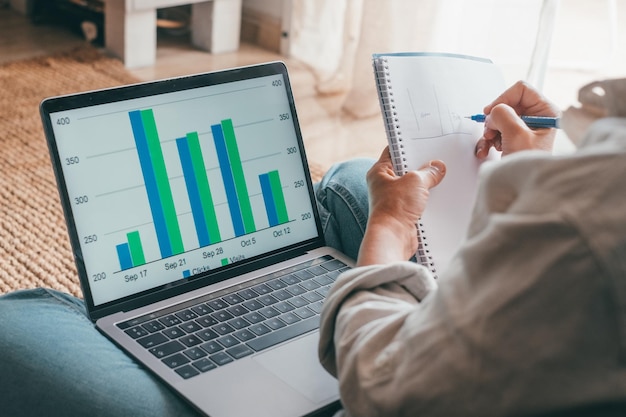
{"type": "Point", "coordinates": [431, 95]}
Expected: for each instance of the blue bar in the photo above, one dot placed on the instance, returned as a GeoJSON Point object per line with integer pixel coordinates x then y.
{"type": "Point", "coordinates": [186, 273]}
{"type": "Point", "coordinates": [268, 198]}
{"type": "Point", "coordinates": [151, 185]}
{"type": "Point", "coordinates": [192, 190]}
{"type": "Point", "coordinates": [229, 181]}
{"type": "Point", "coordinates": [123, 253]}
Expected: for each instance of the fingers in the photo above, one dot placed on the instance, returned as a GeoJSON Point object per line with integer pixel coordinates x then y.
{"type": "Point", "coordinates": [482, 148]}
{"type": "Point", "coordinates": [384, 162]}
{"type": "Point", "coordinates": [506, 132]}
{"type": "Point", "coordinates": [429, 175]}
{"type": "Point", "coordinates": [385, 156]}
{"type": "Point", "coordinates": [383, 168]}
{"type": "Point", "coordinates": [504, 129]}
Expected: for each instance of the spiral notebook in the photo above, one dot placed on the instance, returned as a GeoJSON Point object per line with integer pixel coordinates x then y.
{"type": "Point", "coordinates": [424, 99]}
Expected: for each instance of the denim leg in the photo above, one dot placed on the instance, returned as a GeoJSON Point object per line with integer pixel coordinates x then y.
{"type": "Point", "coordinates": [343, 203]}
{"type": "Point", "coordinates": [53, 362]}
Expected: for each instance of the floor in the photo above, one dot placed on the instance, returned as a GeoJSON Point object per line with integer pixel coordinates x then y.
{"type": "Point", "coordinates": [331, 135]}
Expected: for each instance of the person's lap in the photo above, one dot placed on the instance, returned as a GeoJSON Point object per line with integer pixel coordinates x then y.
{"type": "Point", "coordinates": [343, 204]}
{"type": "Point", "coordinates": [55, 362]}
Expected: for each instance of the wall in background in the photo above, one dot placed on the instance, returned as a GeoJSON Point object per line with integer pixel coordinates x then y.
{"type": "Point", "coordinates": [261, 23]}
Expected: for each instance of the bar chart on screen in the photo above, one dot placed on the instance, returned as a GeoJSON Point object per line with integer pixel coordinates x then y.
{"type": "Point", "coordinates": [199, 193]}
{"type": "Point", "coordinates": [187, 184]}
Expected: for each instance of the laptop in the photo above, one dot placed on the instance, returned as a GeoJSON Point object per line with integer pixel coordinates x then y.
{"type": "Point", "coordinates": [196, 236]}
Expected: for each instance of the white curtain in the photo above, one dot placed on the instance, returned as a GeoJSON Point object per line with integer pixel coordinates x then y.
{"type": "Point", "coordinates": [338, 37]}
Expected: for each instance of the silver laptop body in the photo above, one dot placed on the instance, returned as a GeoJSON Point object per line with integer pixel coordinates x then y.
{"type": "Point", "coordinates": [198, 244]}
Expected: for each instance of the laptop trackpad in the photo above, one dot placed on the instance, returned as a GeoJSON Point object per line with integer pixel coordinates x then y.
{"type": "Point", "coordinates": [297, 364]}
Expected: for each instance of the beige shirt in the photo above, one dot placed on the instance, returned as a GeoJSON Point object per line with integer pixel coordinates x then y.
{"type": "Point", "coordinates": [530, 317]}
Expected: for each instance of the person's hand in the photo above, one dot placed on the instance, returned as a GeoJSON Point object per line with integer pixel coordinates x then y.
{"type": "Point", "coordinates": [396, 204]}
{"type": "Point", "coordinates": [505, 131]}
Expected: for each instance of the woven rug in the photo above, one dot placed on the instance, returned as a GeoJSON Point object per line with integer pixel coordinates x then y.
{"type": "Point", "coordinates": [34, 247]}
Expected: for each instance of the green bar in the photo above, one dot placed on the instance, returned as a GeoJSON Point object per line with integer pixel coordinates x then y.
{"type": "Point", "coordinates": [136, 249]}
{"type": "Point", "coordinates": [240, 181]}
{"type": "Point", "coordinates": [206, 198]}
{"type": "Point", "coordinates": [278, 196]}
{"type": "Point", "coordinates": [224, 261]}
{"type": "Point", "coordinates": [163, 184]}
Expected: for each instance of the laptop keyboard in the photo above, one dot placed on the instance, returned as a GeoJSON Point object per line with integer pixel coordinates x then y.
{"type": "Point", "coordinates": [214, 330]}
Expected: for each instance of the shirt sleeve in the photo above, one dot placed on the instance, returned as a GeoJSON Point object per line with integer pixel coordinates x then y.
{"type": "Point", "coordinates": [389, 289]}
{"type": "Point", "coordinates": [502, 329]}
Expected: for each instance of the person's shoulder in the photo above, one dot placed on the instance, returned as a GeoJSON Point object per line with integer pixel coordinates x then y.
{"type": "Point", "coordinates": [606, 134]}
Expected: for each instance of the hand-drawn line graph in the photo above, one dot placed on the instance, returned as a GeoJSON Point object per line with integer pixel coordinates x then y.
{"type": "Point", "coordinates": [434, 119]}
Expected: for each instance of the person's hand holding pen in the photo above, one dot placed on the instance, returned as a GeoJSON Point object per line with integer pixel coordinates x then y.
{"type": "Point", "coordinates": [504, 128]}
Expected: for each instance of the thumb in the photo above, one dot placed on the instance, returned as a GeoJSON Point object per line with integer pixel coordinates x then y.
{"type": "Point", "coordinates": [432, 173]}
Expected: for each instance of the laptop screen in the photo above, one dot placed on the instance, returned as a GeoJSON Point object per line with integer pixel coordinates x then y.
{"type": "Point", "coordinates": [173, 180]}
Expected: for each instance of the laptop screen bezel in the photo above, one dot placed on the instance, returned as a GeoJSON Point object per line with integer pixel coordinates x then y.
{"type": "Point", "coordinates": [152, 88]}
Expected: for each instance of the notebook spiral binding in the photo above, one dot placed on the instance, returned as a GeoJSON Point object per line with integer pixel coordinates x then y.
{"type": "Point", "coordinates": [422, 255]}
{"type": "Point", "coordinates": [388, 108]}
{"type": "Point", "coordinates": [396, 147]}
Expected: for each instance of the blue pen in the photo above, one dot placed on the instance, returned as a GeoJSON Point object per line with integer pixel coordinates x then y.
{"type": "Point", "coordinates": [535, 122]}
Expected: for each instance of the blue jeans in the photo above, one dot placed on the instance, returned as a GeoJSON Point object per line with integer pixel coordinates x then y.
{"type": "Point", "coordinates": [53, 361]}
